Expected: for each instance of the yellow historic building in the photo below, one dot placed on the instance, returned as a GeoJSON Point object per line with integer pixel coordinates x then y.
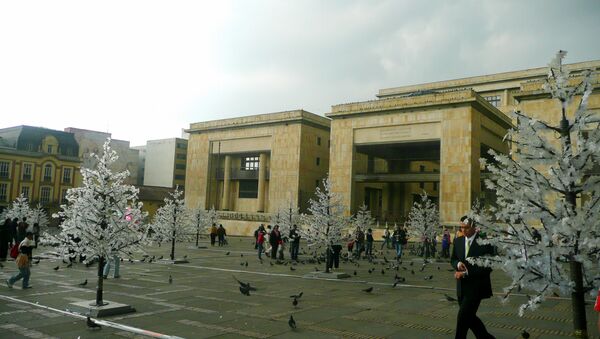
{"type": "Point", "coordinates": [252, 165]}
{"type": "Point", "coordinates": [42, 164]}
{"type": "Point", "coordinates": [430, 137]}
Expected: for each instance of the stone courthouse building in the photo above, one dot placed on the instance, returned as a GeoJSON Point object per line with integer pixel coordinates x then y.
{"type": "Point", "coordinates": [383, 153]}
{"type": "Point", "coordinates": [250, 166]}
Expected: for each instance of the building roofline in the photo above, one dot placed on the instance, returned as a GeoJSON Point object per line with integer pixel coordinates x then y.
{"type": "Point", "coordinates": [261, 119]}
{"type": "Point", "coordinates": [456, 97]}
{"type": "Point", "coordinates": [524, 75]}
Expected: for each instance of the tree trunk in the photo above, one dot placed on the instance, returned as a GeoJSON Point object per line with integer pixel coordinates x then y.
{"type": "Point", "coordinates": [577, 294]}
{"type": "Point", "coordinates": [99, 288]}
{"type": "Point", "coordinates": [578, 301]}
{"type": "Point", "coordinates": [173, 247]}
{"type": "Point", "coordinates": [327, 259]}
{"type": "Point", "coordinates": [197, 236]}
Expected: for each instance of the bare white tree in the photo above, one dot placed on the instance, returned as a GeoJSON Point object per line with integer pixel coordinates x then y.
{"type": "Point", "coordinates": [103, 216]}
{"type": "Point", "coordinates": [548, 215]}
{"type": "Point", "coordinates": [173, 221]}
{"type": "Point", "coordinates": [326, 221]}
{"type": "Point", "coordinates": [423, 220]}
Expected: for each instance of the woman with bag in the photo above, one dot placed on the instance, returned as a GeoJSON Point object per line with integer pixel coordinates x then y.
{"type": "Point", "coordinates": [23, 262]}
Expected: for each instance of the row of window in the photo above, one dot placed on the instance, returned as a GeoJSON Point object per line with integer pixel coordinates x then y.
{"type": "Point", "coordinates": [45, 193]}
{"type": "Point", "coordinates": [493, 99]}
{"type": "Point", "coordinates": [27, 172]}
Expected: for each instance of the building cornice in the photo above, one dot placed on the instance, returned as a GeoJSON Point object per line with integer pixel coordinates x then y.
{"type": "Point", "coordinates": [278, 118]}
{"type": "Point", "coordinates": [426, 101]}
{"type": "Point", "coordinates": [521, 75]}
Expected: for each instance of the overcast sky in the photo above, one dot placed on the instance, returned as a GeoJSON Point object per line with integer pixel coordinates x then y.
{"type": "Point", "coordinates": [143, 70]}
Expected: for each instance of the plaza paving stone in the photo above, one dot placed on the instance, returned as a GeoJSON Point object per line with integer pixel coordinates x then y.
{"type": "Point", "coordinates": [204, 300]}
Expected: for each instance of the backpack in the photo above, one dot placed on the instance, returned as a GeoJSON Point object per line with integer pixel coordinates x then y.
{"type": "Point", "coordinates": [14, 251]}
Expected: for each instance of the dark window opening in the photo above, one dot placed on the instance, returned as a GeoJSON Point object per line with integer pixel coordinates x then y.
{"type": "Point", "coordinates": [248, 189]}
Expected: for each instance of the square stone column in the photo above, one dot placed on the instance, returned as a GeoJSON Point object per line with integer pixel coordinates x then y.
{"type": "Point", "coordinates": [459, 163]}
{"type": "Point", "coordinates": [226, 181]}
{"type": "Point", "coordinates": [262, 178]}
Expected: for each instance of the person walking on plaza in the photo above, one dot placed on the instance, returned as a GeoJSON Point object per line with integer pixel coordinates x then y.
{"type": "Point", "coordinates": [386, 238]}
{"type": "Point", "coordinates": [295, 242]}
{"type": "Point", "coordinates": [359, 241]}
{"type": "Point", "coordinates": [369, 247]}
{"type": "Point", "coordinates": [221, 234]}
{"type": "Point", "coordinates": [22, 230]}
{"type": "Point", "coordinates": [260, 240]}
{"type": "Point", "coordinates": [5, 239]}
{"type": "Point", "coordinates": [275, 240]}
{"type": "Point", "coordinates": [399, 236]}
{"type": "Point", "coordinates": [14, 224]}
{"type": "Point", "coordinates": [23, 262]}
{"type": "Point", "coordinates": [473, 282]}
{"type": "Point", "coordinates": [256, 235]}
{"type": "Point", "coordinates": [334, 256]}
{"type": "Point", "coordinates": [446, 241]}
{"type": "Point", "coordinates": [116, 261]}
{"type": "Point", "coordinates": [213, 234]}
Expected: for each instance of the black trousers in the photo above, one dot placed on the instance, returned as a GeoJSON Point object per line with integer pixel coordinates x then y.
{"type": "Point", "coordinates": [334, 258]}
{"type": "Point", "coordinates": [467, 319]}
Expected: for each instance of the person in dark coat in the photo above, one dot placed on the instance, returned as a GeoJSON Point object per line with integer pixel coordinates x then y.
{"type": "Point", "coordinates": [295, 242]}
{"type": "Point", "coordinates": [221, 234]}
{"type": "Point", "coordinates": [13, 230]}
{"type": "Point", "coordinates": [5, 239]}
{"type": "Point", "coordinates": [275, 240]}
{"type": "Point", "coordinates": [473, 282]}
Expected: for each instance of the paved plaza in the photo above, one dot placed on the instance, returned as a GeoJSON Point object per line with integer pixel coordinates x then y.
{"type": "Point", "coordinates": [204, 300]}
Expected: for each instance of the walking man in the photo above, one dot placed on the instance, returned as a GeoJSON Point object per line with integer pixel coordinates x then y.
{"type": "Point", "coordinates": [472, 282]}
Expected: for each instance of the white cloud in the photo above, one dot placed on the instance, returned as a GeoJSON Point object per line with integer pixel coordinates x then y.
{"type": "Point", "coordinates": [146, 69]}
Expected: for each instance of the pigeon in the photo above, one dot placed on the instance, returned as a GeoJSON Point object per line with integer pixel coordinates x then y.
{"type": "Point", "coordinates": [292, 322]}
{"type": "Point", "coordinates": [185, 257]}
{"type": "Point", "coordinates": [398, 281]}
{"type": "Point", "coordinates": [245, 290]}
{"type": "Point", "coordinates": [271, 263]}
{"type": "Point", "coordinates": [292, 268]}
{"type": "Point", "coordinates": [438, 268]}
{"type": "Point", "coordinates": [370, 270]}
{"type": "Point", "coordinates": [68, 266]}
{"type": "Point", "coordinates": [422, 268]}
{"type": "Point", "coordinates": [316, 269]}
{"type": "Point", "coordinates": [56, 268]}
{"type": "Point", "coordinates": [246, 264]}
{"type": "Point", "coordinates": [555, 294]}
{"type": "Point", "coordinates": [91, 324]}
{"type": "Point", "coordinates": [159, 258]}
{"type": "Point", "coordinates": [143, 259]}
{"type": "Point", "coordinates": [227, 253]}
{"type": "Point", "coordinates": [412, 271]}
{"type": "Point", "coordinates": [429, 277]}
{"type": "Point", "coordinates": [297, 296]}
{"type": "Point", "coordinates": [131, 261]}
{"type": "Point", "coordinates": [35, 262]}
{"type": "Point", "coordinates": [242, 255]}
{"type": "Point", "coordinates": [1, 266]}
{"type": "Point", "coordinates": [411, 263]}
{"type": "Point", "coordinates": [354, 272]}
{"type": "Point", "coordinates": [382, 271]}
{"type": "Point", "coordinates": [170, 279]}
{"type": "Point", "coordinates": [295, 302]}
{"type": "Point", "coordinates": [368, 290]}
{"type": "Point", "coordinates": [83, 283]}
{"type": "Point", "coordinates": [449, 298]}
{"type": "Point", "coordinates": [244, 285]}
{"type": "Point", "coordinates": [385, 259]}
{"type": "Point", "coordinates": [525, 334]}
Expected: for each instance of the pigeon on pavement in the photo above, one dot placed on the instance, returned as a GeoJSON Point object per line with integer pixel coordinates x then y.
{"type": "Point", "coordinates": [292, 322]}
{"type": "Point", "coordinates": [368, 290]}
{"type": "Point", "coordinates": [91, 324]}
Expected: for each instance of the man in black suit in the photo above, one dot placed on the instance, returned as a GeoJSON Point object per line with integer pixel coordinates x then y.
{"type": "Point", "coordinates": [472, 282]}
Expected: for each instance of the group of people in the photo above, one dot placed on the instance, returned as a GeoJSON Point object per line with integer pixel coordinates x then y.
{"type": "Point", "coordinates": [270, 241]}
{"type": "Point", "coordinates": [218, 233]}
{"type": "Point", "coordinates": [359, 241]}
{"type": "Point", "coordinates": [13, 231]}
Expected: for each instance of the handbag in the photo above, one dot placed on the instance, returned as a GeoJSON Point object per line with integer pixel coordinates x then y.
{"type": "Point", "coordinates": [14, 251]}
{"type": "Point", "coordinates": [22, 260]}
